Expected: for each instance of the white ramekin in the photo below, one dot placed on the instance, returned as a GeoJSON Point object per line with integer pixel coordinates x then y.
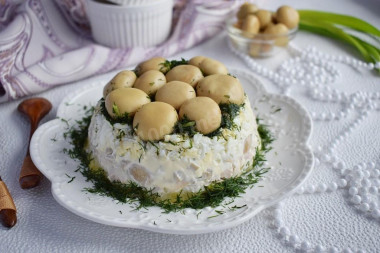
{"type": "Point", "coordinates": [130, 26]}
{"type": "Point", "coordinates": [130, 2]}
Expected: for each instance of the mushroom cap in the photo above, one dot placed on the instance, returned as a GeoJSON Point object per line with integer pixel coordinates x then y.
{"type": "Point", "coordinates": [287, 16]}
{"type": "Point", "coordinates": [155, 63]}
{"type": "Point", "coordinates": [204, 111]}
{"type": "Point", "coordinates": [221, 88]}
{"type": "Point", "coordinates": [125, 101]}
{"type": "Point", "coordinates": [185, 73]}
{"type": "Point", "coordinates": [246, 9]}
{"type": "Point", "coordinates": [210, 66]}
{"type": "Point", "coordinates": [277, 29]}
{"type": "Point", "coordinates": [196, 60]}
{"type": "Point", "coordinates": [175, 93]}
{"type": "Point", "coordinates": [279, 32]}
{"type": "Point", "coordinates": [150, 82]}
{"type": "Point", "coordinates": [123, 79]}
{"type": "Point", "coordinates": [250, 25]}
{"type": "Point", "coordinates": [155, 120]}
{"type": "Point", "coordinates": [265, 17]}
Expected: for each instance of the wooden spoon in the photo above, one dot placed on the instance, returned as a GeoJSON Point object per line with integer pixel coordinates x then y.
{"type": "Point", "coordinates": [8, 215]}
{"type": "Point", "coordinates": [35, 109]}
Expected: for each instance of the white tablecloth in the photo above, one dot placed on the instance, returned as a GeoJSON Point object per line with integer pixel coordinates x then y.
{"type": "Point", "coordinates": [343, 217]}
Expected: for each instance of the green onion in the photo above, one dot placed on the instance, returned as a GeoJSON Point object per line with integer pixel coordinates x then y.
{"type": "Point", "coordinates": [337, 26]}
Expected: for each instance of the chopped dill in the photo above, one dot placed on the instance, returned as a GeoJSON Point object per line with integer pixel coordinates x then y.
{"type": "Point", "coordinates": [71, 178]}
{"type": "Point", "coordinates": [143, 145]}
{"type": "Point", "coordinates": [275, 109]}
{"type": "Point", "coordinates": [173, 143]}
{"type": "Point", "coordinates": [54, 139]}
{"type": "Point", "coordinates": [65, 121]}
{"type": "Point", "coordinates": [219, 212]}
{"type": "Point", "coordinates": [115, 109]}
{"type": "Point", "coordinates": [168, 65]}
{"type": "Point", "coordinates": [140, 157]}
{"type": "Point", "coordinates": [229, 112]}
{"type": "Point", "coordinates": [154, 145]}
{"type": "Point", "coordinates": [265, 134]}
{"type": "Point", "coordinates": [236, 207]}
{"type": "Point", "coordinates": [120, 135]}
{"type": "Point", "coordinates": [185, 126]}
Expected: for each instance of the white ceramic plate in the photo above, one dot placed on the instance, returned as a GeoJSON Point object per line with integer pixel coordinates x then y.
{"type": "Point", "coordinates": [291, 161]}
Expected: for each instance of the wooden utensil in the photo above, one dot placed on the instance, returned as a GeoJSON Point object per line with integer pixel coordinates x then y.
{"type": "Point", "coordinates": [7, 207]}
{"type": "Point", "coordinates": [35, 109]}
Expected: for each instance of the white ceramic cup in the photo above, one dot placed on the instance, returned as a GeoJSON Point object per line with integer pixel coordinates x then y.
{"type": "Point", "coordinates": [130, 2]}
{"type": "Point", "coordinates": [142, 25]}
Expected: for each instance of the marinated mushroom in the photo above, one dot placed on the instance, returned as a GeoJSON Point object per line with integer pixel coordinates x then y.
{"type": "Point", "coordinates": [274, 18]}
{"type": "Point", "coordinates": [155, 63]}
{"type": "Point", "coordinates": [175, 93]}
{"type": "Point", "coordinates": [185, 73]}
{"type": "Point", "coordinates": [210, 67]}
{"type": "Point", "coordinates": [288, 16]}
{"type": "Point", "coordinates": [123, 79]}
{"type": "Point", "coordinates": [250, 26]}
{"type": "Point", "coordinates": [259, 49]}
{"type": "Point", "coordinates": [204, 111]}
{"type": "Point", "coordinates": [125, 101]}
{"type": "Point", "coordinates": [246, 9]}
{"type": "Point", "coordinates": [279, 32]}
{"type": "Point", "coordinates": [221, 88]}
{"type": "Point", "coordinates": [150, 82]}
{"type": "Point", "coordinates": [265, 18]}
{"type": "Point", "coordinates": [155, 120]}
{"type": "Point", "coordinates": [196, 60]}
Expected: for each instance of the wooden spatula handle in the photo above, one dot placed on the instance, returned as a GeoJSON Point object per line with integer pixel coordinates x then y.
{"type": "Point", "coordinates": [30, 176]}
{"type": "Point", "coordinates": [8, 215]}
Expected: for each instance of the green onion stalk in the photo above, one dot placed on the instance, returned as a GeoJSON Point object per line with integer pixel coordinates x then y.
{"type": "Point", "coordinates": [341, 27]}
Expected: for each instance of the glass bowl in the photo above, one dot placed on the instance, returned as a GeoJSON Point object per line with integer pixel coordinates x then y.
{"type": "Point", "coordinates": [258, 45]}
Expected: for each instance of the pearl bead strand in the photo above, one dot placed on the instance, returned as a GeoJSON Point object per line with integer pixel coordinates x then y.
{"type": "Point", "coordinates": [364, 181]}
{"type": "Point", "coordinates": [308, 67]}
{"type": "Point", "coordinates": [293, 240]}
{"type": "Point", "coordinates": [313, 69]}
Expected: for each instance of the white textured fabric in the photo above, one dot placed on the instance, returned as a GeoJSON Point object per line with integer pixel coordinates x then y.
{"type": "Point", "coordinates": [333, 219]}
